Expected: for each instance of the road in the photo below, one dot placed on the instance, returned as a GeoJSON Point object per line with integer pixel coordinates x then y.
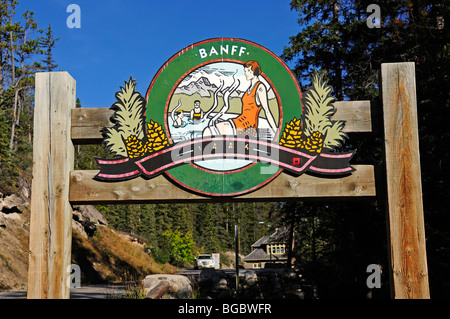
{"type": "Point", "coordinates": [110, 291]}
{"type": "Point", "coordinates": [101, 291]}
{"type": "Point", "coordinates": [106, 291]}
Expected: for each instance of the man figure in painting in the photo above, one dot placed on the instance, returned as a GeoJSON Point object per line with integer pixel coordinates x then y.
{"type": "Point", "coordinates": [197, 112]}
{"type": "Point", "coordinates": [254, 99]}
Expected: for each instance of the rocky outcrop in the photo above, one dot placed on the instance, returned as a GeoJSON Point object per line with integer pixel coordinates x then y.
{"type": "Point", "coordinates": [11, 204]}
{"type": "Point", "coordinates": [11, 208]}
{"type": "Point", "coordinates": [14, 225]}
{"type": "Point", "coordinates": [86, 219]}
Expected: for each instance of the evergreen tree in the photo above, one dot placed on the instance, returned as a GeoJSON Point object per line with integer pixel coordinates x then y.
{"type": "Point", "coordinates": [206, 228]}
{"type": "Point", "coordinates": [4, 138]}
{"type": "Point", "coordinates": [336, 39]}
{"type": "Point", "coordinates": [21, 47]}
{"type": "Point", "coordinates": [18, 49]}
{"type": "Point", "coordinates": [47, 44]}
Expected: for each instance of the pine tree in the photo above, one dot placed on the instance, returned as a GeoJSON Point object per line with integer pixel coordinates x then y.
{"type": "Point", "coordinates": [4, 138]}
{"type": "Point", "coordinates": [47, 44]}
{"type": "Point", "coordinates": [18, 49]}
{"type": "Point", "coordinates": [206, 228]}
{"type": "Point", "coordinates": [21, 48]}
{"type": "Point", "coordinates": [335, 39]}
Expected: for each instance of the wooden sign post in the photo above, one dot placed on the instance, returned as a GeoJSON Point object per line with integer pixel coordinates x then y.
{"type": "Point", "coordinates": [58, 126]}
{"type": "Point", "coordinates": [409, 273]}
{"type": "Point", "coordinates": [51, 212]}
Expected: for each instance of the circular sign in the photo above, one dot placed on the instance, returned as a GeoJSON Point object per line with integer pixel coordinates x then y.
{"type": "Point", "coordinates": [223, 87]}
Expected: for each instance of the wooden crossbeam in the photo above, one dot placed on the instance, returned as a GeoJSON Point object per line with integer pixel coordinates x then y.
{"type": "Point", "coordinates": [87, 123]}
{"type": "Point", "coordinates": [85, 190]}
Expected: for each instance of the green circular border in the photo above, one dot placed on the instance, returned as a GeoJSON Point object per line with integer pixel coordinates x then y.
{"type": "Point", "coordinates": [160, 91]}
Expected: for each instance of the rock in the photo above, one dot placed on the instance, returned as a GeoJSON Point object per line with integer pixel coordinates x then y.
{"type": "Point", "coordinates": [251, 278]}
{"type": "Point", "coordinates": [222, 284]}
{"type": "Point", "coordinates": [180, 286]}
{"type": "Point", "coordinates": [11, 204]}
{"type": "Point", "coordinates": [174, 289]}
{"type": "Point", "coordinates": [133, 240]}
{"type": "Point", "coordinates": [11, 209]}
{"type": "Point", "coordinates": [14, 216]}
{"type": "Point", "coordinates": [86, 219]}
{"type": "Point", "coordinates": [90, 213]}
{"type": "Point", "coordinates": [79, 228]}
{"type": "Point", "coordinates": [2, 221]}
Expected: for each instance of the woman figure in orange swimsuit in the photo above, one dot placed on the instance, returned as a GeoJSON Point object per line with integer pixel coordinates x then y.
{"type": "Point", "coordinates": [254, 99]}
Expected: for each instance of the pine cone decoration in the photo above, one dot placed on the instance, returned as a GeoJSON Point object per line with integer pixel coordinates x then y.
{"type": "Point", "coordinates": [156, 140]}
{"type": "Point", "coordinates": [293, 137]}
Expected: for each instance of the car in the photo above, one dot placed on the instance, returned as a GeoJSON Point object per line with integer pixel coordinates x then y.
{"type": "Point", "coordinates": [204, 261]}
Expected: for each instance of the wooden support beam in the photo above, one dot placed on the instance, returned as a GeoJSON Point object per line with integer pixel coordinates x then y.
{"type": "Point", "coordinates": [87, 123]}
{"type": "Point", "coordinates": [356, 114]}
{"type": "Point", "coordinates": [51, 213]}
{"type": "Point", "coordinates": [85, 190]}
{"type": "Point", "coordinates": [409, 274]}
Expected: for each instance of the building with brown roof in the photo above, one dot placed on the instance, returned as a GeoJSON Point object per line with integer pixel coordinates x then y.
{"type": "Point", "coordinates": [269, 249]}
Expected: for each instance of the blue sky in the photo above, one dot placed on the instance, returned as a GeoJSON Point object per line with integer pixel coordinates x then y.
{"type": "Point", "coordinates": [121, 38]}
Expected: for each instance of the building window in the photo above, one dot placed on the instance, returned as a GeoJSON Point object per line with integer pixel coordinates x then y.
{"type": "Point", "coordinates": [276, 248]}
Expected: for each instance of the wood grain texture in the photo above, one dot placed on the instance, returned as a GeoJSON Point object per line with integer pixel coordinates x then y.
{"type": "Point", "coordinates": [87, 123]}
{"type": "Point", "coordinates": [356, 114]}
{"type": "Point", "coordinates": [85, 190]}
{"type": "Point", "coordinates": [159, 290]}
{"type": "Point", "coordinates": [406, 222]}
{"type": "Point", "coordinates": [51, 213]}
{"type": "Point", "coordinates": [58, 124]}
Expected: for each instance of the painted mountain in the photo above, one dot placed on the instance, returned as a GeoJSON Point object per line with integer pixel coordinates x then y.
{"type": "Point", "coordinates": [205, 81]}
{"type": "Point", "coordinates": [202, 86]}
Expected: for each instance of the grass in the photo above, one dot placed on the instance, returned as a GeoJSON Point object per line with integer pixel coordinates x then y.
{"type": "Point", "coordinates": [107, 257]}
{"type": "Point", "coordinates": [7, 264]}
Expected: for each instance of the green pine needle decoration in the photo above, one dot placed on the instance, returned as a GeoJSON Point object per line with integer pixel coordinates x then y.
{"type": "Point", "coordinates": [129, 119]}
{"type": "Point", "coordinates": [318, 112]}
